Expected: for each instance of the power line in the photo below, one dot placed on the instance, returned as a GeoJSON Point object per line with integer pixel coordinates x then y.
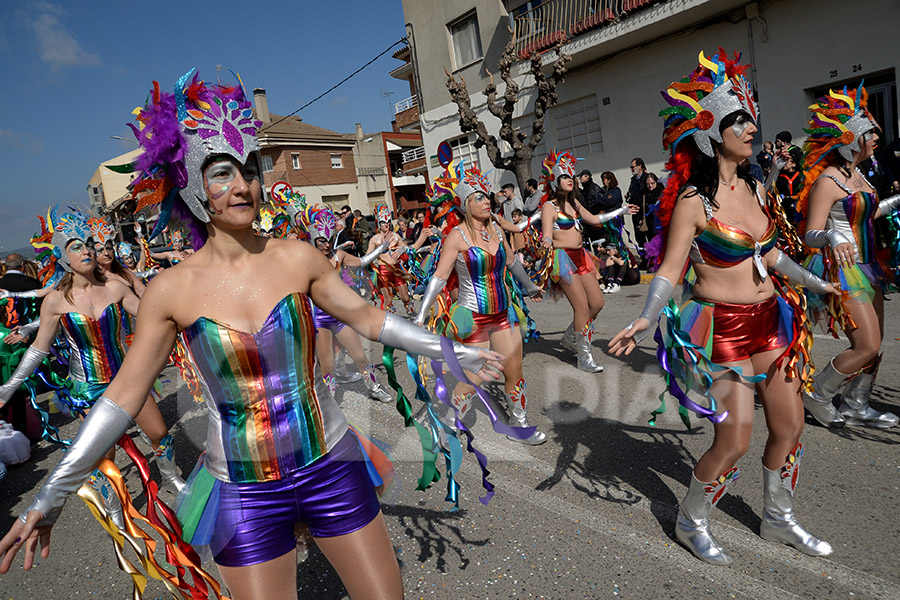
{"type": "Point", "coordinates": [338, 84]}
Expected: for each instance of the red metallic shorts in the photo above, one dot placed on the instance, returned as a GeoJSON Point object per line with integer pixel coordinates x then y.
{"type": "Point", "coordinates": [583, 263]}
{"type": "Point", "coordinates": [485, 325]}
{"type": "Point", "coordinates": [742, 330]}
{"type": "Point", "coordinates": [389, 277]}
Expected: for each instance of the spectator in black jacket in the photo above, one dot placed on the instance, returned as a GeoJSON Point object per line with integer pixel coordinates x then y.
{"type": "Point", "coordinates": [15, 280]}
{"type": "Point", "coordinates": [590, 192]}
{"type": "Point", "coordinates": [644, 226]}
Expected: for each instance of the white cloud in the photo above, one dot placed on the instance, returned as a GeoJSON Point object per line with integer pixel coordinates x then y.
{"type": "Point", "coordinates": [57, 46]}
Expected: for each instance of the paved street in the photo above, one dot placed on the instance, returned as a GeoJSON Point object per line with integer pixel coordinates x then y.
{"type": "Point", "coordinates": [590, 514]}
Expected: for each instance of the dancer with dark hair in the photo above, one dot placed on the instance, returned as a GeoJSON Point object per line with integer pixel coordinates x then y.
{"type": "Point", "coordinates": [737, 331]}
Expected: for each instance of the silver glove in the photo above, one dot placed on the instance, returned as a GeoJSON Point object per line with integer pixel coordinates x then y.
{"type": "Point", "coordinates": [657, 297]}
{"type": "Point", "coordinates": [30, 361]}
{"type": "Point", "coordinates": [29, 328]}
{"type": "Point", "coordinates": [104, 425]}
{"type": "Point", "coordinates": [146, 274]}
{"type": "Point", "coordinates": [518, 271]}
{"type": "Point", "coordinates": [797, 275]}
{"type": "Point", "coordinates": [818, 238]}
{"type": "Point", "coordinates": [28, 294]}
{"type": "Point", "coordinates": [369, 258]}
{"type": "Point", "coordinates": [435, 286]}
{"type": "Point", "coordinates": [609, 216]}
{"type": "Point", "coordinates": [397, 332]}
{"type": "Point", "coordinates": [889, 205]}
{"type": "Point", "coordinates": [531, 221]}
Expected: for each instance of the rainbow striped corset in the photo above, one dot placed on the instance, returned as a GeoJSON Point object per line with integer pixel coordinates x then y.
{"type": "Point", "coordinates": [481, 286]}
{"type": "Point", "coordinates": [722, 245]}
{"type": "Point", "coordinates": [855, 215]}
{"type": "Point", "coordinates": [97, 346]}
{"type": "Point", "coordinates": [270, 414]}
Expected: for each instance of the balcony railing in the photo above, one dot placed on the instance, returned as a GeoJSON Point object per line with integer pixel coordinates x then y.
{"type": "Point", "coordinates": [546, 24]}
{"type": "Point", "coordinates": [414, 154]}
{"type": "Point", "coordinates": [405, 104]}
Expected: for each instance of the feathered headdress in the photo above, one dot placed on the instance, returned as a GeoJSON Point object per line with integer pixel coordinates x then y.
{"type": "Point", "coordinates": [471, 181]}
{"type": "Point", "coordinates": [100, 230]}
{"type": "Point", "coordinates": [382, 213]}
{"type": "Point", "coordinates": [445, 208]}
{"type": "Point", "coordinates": [57, 232]}
{"type": "Point", "coordinates": [699, 102]}
{"type": "Point", "coordinates": [838, 120]}
{"type": "Point", "coordinates": [555, 165]}
{"type": "Point", "coordinates": [319, 222]}
{"type": "Point", "coordinates": [286, 199]}
{"type": "Point", "coordinates": [178, 132]}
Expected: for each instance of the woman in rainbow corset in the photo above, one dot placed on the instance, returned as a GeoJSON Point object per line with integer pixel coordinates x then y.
{"type": "Point", "coordinates": [839, 209]}
{"type": "Point", "coordinates": [573, 268]}
{"type": "Point", "coordinates": [389, 274]}
{"type": "Point", "coordinates": [90, 308]}
{"type": "Point", "coordinates": [279, 451]}
{"type": "Point", "coordinates": [483, 314]}
{"type": "Point", "coordinates": [737, 332]}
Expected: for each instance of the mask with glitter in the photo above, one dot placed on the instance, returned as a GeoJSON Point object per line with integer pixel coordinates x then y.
{"type": "Point", "coordinates": [180, 132]}
{"type": "Point", "coordinates": [699, 102]}
{"type": "Point", "coordinates": [471, 181]}
{"type": "Point", "coordinates": [839, 121]}
{"type": "Point", "coordinates": [555, 165]}
{"type": "Point", "coordinates": [60, 231]}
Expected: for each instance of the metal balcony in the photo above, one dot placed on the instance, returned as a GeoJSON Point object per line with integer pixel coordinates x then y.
{"type": "Point", "coordinates": [545, 25]}
{"type": "Point", "coordinates": [399, 107]}
{"type": "Point", "coordinates": [414, 154]}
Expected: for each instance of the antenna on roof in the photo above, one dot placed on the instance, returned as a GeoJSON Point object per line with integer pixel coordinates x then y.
{"type": "Point", "coordinates": [387, 94]}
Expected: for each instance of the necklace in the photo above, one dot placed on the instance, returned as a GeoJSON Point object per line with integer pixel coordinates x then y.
{"type": "Point", "coordinates": [728, 184]}
{"type": "Point", "coordinates": [484, 234]}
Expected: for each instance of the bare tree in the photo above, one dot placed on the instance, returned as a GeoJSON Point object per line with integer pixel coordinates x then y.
{"type": "Point", "coordinates": [519, 162]}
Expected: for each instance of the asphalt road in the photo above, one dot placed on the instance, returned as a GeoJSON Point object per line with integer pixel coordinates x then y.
{"type": "Point", "coordinates": [590, 514]}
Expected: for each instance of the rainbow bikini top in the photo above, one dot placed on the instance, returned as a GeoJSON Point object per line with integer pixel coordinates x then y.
{"type": "Point", "coordinates": [269, 412]}
{"type": "Point", "coordinates": [481, 286]}
{"type": "Point", "coordinates": [854, 217]}
{"type": "Point", "coordinates": [97, 346]}
{"type": "Point", "coordinates": [722, 245]}
{"type": "Point", "coordinates": [564, 221]}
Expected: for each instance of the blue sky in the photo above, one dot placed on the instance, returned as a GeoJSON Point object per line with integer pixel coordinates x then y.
{"type": "Point", "coordinates": [73, 71]}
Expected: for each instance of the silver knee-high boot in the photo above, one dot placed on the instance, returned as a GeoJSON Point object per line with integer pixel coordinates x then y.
{"type": "Point", "coordinates": [165, 460]}
{"type": "Point", "coordinates": [376, 392]}
{"type": "Point", "coordinates": [585, 356]}
{"type": "Point", "coordinates": [568, 339]}
{"type": "Point", "coordinates": [340, 371]}
{"type": "Point", "coordinates": [855, 402]}
{"type": "Point", "coordinates": [692, 526]}
{"type": "Point", "coordinates": [826, 384]}
{"type": "Point", "coordinates": [778, 522]}
{"type": "Point", "coordinates": [111, 501]}
{"type": "Point", "coordinates": [516, 401]}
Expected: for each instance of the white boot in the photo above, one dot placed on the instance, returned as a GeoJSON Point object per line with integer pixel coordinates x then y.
{"type": "Point", "coordinates": [855, 407]}
{"type": "Point", "coordinates": [376, 392]}
{"type": "Point", "coordinates": [568, 339]}
{"type": "Point", "coordinates": [826, 383]}
{"type": "Point", "coordinates": [692, 526]}
{"type": "Point", "coordinates": [165, 460]}
{"type": "Point", "coordinates": [585, 357]}
{"type": "Point", "coordinates": [516, 402]}
{"type": "Point", "coordinates": [340, 371]}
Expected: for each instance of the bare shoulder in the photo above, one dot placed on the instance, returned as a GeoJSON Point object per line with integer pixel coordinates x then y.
{"type": "Point", "coordinates": [54, 303]}
{"type": "Point", "coordinates": [690, 208]}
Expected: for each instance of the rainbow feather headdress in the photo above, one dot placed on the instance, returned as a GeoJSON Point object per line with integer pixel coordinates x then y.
{"type": "Point", "coordinates": [57, 232]}
{"type": "Point", "coordinates": [555, 165]}
{"type": "Point", "coordinates": [382, 213]}
{"type": "Point", "coordinates": [289, 202]}
{"type": "Point", "coordinates": [469, 181]}
{"type": "Point", "coordinates": [319, 222]}
{"type": "Point", "coordinates": [839, 120]}
{"type": "Point", "coordinates": [699, 102]}
{"type": "Point", "coordinates": [178, 132]}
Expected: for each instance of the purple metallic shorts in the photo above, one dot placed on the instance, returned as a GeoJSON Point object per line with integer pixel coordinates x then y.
{"type": "Point", "coordinates": [332, 496]}
{"type": "Point", "coordinates": [325, 321]}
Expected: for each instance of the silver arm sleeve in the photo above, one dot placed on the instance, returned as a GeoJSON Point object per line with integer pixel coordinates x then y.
{"type": "Point", "coordinates": [797, 275]}
{"type": "Point", "coordinates": [369, 258]}
{"type": "Point", "coordinates": [819, 238]}
{"type": "Point", "coordinates": [518, 271]}
{"type": "Point", "coordinates": [30, 361]}
{"type": "Point", "coordinates": [889, 205]}
{"type": "Point", "coordinates": [146, 274]}
{"type": "Point", "coordinates": [609, 216]}
{"type": "Point", "coordinates": [29, 328]}
{"type": "Point", "coordinates": [531, 221]}
{"type": "Point", "coordinates": [657, 297]}
{"type": "Point", "coordinates": [435, 286]}
{"type": "Point", "coordinates": [397, 332]}
{"type": "Point", "coordinates": [104, 425]}
{"type": "Point", "coordinates": [28, 294]}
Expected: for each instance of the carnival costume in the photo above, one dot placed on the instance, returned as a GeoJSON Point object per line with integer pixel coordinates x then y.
{"type": "Point", "coordinates": [484, 304]}
{"type": "Point", "coordinates": [320, 224]}
{"type": "Point", "coordinates": [838, 126]}
{"type": "Point", "coordinates": [564, 263]}
{"type": "Point", "coordinates": [390, 276]}
{"type": "Point", "coordinates": [279, 449]}
{"type": "Point", "coordinates": [701, 338]}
